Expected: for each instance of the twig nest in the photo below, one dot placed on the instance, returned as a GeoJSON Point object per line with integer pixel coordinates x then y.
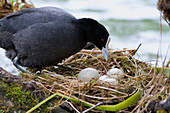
{"type": "Point", "coordinates": [88, 74]}
{"type": "Point", "coordinates": [105, 78]}
{"type": "Point", "coordinates": [115, 73]}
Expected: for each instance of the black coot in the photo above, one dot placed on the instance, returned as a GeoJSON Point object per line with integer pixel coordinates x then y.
{"type": "Point", "coordinates": [40, 37]}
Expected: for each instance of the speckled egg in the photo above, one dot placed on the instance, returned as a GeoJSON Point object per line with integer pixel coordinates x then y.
{"type": "Point", "coordinates": [111, 80]}
{"type": "Point", "coordinates": [105, 78]}
{"type": "Point", "coordinates": [88, 74]}
{"type": "Point", "coordinates": [115, 73]}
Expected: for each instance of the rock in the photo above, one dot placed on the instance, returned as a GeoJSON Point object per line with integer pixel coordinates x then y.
{"type": "Point", "coordinates": [88, 74]}
{"type": "Point", "coordinates": [159, 105]}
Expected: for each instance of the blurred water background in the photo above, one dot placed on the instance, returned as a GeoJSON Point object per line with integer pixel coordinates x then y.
{"type": "Point", "coordinates": [129, 22]}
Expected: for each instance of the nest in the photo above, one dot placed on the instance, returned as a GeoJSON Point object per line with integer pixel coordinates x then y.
{"type": "Point", "coordinates": [138, 75]}
{"type": "Point", "coordinates": [164, 7]}
{"type": "Point", "coordinates": [7, 8]}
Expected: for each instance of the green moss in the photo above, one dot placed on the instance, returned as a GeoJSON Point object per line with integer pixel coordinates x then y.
{"type": "Point", "coordinates": [124, 59]}
{"type": "Point", "coordinates": [13, 98]}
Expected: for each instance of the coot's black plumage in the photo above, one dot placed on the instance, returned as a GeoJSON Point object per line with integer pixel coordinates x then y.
{"type": "Point", "coordinates": [40, 37]}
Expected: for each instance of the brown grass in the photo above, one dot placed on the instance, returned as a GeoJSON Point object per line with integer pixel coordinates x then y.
{"type": "Point", "coordinates": [138, 75]}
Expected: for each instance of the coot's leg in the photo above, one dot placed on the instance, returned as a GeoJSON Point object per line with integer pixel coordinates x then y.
{"type": "Point", "coordinates": [19, 66]}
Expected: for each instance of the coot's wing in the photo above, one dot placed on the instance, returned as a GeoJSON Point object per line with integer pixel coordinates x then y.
{"type": "Point", "coordinates": [22, 19]}
{"type": "Point", "coordinates": [44, 44]}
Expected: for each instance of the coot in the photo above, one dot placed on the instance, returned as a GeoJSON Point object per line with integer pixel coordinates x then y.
{"type": "Point", "coordinates": [40, 37]}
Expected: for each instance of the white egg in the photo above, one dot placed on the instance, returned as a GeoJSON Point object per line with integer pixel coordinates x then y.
{"type": "Point", "coordinates": [111, 80]}
{"type": "Point", "coordinates": [115, 73]}
{"type": "Point", "coordinates": [105, 78]}
{"type": "Point", "coordinates": [88, 74]}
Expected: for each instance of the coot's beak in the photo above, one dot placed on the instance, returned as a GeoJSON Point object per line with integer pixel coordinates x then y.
{"type": "Point", "coordinates": [105, 49]}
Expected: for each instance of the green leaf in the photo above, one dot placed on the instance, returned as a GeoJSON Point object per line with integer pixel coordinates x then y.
{"type": "Point", "coordinates": [166, 70]}
{"type": "Point", "coordinates": [131, 100]}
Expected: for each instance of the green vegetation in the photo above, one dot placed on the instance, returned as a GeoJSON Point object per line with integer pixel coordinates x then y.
{"type": "Point", "coordinates": [126, 28]}
{"type": "Point", "coordinates": [14, 98]}
{"type": "Point", "coordinates": [94, 10]}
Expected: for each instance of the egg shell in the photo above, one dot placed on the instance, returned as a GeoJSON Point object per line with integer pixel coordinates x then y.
{"type": "Point", "coordinates": [88, 74]}
{"type": "Point", "coordinates": [115, 73]}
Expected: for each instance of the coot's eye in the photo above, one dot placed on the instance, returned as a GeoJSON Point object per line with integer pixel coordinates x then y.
{"type": "Point", "coordinates": [103, 40]}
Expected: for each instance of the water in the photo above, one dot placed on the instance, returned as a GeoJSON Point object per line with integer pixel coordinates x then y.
{"type": "Point", "coordinates": [129, 23]}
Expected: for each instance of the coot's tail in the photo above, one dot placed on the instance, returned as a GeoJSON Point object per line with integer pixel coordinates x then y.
{"type": "Point", "coordinates": [6, 39]}
{"type": "Point", "coordinates": [6, 43]}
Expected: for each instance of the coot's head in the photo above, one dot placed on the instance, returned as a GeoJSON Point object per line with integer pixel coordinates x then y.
{"type": "Point", "coordinates": [97, 34]}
